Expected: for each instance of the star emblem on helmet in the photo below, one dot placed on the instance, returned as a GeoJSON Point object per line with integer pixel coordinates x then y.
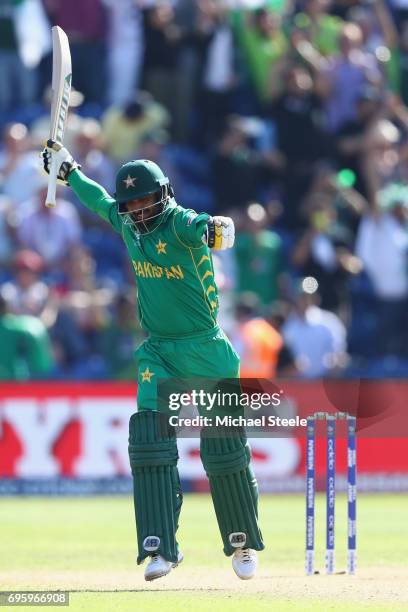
{"type": "Point", "coordinates": [129, 181]}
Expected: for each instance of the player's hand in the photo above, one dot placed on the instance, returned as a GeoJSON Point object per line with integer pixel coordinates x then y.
{"type": "Point", "coordinates": [65, 163]}
{"type": "Point", "coordinates": [221, 233]}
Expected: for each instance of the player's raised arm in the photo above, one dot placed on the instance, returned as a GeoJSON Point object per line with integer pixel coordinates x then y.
{"type": "Point", "coordinates": [92, 195]}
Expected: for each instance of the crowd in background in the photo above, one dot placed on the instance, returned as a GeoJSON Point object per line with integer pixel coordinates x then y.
{"type": "Point", "coordinates": [290, 116]}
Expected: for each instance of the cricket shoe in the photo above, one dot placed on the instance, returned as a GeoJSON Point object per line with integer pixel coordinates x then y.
{"type": "Point", "coordinates": [158, 566]}
{"type": "Point", "coordinates": [245, 563]}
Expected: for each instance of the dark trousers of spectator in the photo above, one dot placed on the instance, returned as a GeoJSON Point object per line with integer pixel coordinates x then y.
{"type": "Point", "coordinates": [297, 179]}
{"type": "Point", "coordinates": [165, 87]}
{"type": "Point", "coordinates": [392, 327]}
{"type": "Point", "coordinates": [89, 70]}
{"type": "Point", "coordinates": [213, 107]}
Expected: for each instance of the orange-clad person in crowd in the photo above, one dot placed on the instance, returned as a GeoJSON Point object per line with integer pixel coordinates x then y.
{"type": "Point", "coordinates": [257, 341]}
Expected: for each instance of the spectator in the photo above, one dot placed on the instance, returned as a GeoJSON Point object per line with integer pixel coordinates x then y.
{"type": "Point", "coordinates": [21, 49]}
{"type": "Point", "coordinates": [286, 365]}
{"type": "Point", "coordinates": [40, 127]}
{"type": "Point", "coordinates": [84, 303]}
{"type": "Point", "coordinates": [366, 145]}
{"type": "Point", "coordinates": [325, 250]}
{"type": "Point", "coordinates": [265, 46]}
{"type": "Point", "coordinates": [256, 341]}
{"type": "Point", "coordinates": [85, 26]}
{"type": "Point", "coordinates": [19, 165]}
{"type": "Point", "coordinates": [26, 294]}
{"type": "Point", "coordinates": [24, 347]}
{"type": "Point", "coordinates": [382, 246]}
{"type": "Point", "coordinates": [298, 115]}
{"type": "Point", "coordinates": [51, 232]}
{"type": "Point", "coordinates": [124, 129]}
{"type": "Point", "coordinates": [316, 337]}
{"type": "Point", "coordinates": [239, 170]}
{"type": "Point", "coordinates": [69, 345]}
{"type": "Point", "coordinates": [259, 257]}
{"type": "Point", "coordinates": [88, 146]}
{"type": "Point", "coordinates": [320, 29]}
{"type": "Point", "coordinates": [217, 79]}
{"type": "Point", "coordinates": [346, 75]}
{"type": "Point", "coordinates": [163, 40]}
{"type": "Point", "coordinates": [125, 50]}
{"type": "Point", "coordinates": [120, 338]}
{"type": "Point", "coordinates": [301, 136]}
{"type": "Point", "coordinates": [81, 293]}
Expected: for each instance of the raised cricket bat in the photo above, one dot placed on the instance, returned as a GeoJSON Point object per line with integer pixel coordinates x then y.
{"type": "Point", "coordinates": [61, 89]}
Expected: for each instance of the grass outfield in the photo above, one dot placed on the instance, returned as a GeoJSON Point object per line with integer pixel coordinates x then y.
{"type": "Point", "coordinates": [87, 546]}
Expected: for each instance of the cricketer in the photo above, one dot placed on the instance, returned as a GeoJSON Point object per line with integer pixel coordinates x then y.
{"type": "Point", "coordinates": [169, 247]}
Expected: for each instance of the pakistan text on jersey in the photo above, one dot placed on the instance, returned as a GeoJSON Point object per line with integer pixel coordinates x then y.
{"type": "Point", "coordinates": [149, 270]}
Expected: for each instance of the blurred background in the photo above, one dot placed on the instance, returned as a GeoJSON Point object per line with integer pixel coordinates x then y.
{"type": "Point", "coordinates": [289, 116]}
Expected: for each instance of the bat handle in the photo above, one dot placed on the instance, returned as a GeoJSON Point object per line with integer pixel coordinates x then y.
{"type": "Point", "coordinates": [52, 185]}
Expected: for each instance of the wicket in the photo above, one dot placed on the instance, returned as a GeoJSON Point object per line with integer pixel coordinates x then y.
{"type": "Point", "coordinates": [330, 490]}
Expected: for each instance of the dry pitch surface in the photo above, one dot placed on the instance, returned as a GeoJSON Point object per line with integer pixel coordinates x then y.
{"type": "Point", "coordinates": [87, 546]}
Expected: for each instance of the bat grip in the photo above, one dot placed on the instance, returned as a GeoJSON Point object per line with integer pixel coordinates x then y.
{"type": "Point", "coordinates": [52, 184]}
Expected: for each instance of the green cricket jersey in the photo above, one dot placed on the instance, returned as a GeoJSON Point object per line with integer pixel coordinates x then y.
{"type": "Point", "coordinates": [177, 294]}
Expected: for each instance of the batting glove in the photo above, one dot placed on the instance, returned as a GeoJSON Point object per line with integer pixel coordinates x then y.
{"type": "Point", "coordinates": [221, 233]}
{"type": "Point", "coordinates": [64, 161]}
